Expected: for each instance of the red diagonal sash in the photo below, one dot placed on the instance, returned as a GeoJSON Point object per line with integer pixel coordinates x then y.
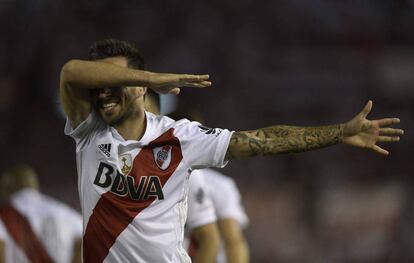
{"type": "Point", "coordinates": [23, 235]}
{"type": "Point", "coordinates": [113, 213]}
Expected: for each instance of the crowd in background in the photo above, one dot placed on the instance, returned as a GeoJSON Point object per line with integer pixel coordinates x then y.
{"type": "Point", "coordinates": [271, 62]}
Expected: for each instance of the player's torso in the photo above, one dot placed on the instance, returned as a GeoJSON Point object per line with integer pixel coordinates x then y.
{"type": "Point", "coordinates": [133, 196]}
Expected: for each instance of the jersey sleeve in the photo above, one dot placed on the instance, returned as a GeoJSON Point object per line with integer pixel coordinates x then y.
{"type": "Point", "coordinates": [226, 197]}
{"type": "Point", "coordinates": [203, 147]}
{"type": "Point", "coordinates": [200, 206]}
{"type": "Point", "coordinates": [83, 132]}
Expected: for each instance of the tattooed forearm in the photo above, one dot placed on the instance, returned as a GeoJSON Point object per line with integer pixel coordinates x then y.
{"type": "Point", "coordinates": [282, 139]}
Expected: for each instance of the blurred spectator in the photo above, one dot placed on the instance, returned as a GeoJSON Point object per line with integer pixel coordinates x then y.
{"type": "Point", "coordinates": [33, 226]}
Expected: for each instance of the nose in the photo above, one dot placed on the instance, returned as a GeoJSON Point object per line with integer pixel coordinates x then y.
{"type": "Point", "coordinates": [104, 92]}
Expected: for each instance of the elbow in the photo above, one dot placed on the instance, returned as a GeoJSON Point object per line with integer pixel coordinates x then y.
{"type": "Point", "coordinates": [68, 71]}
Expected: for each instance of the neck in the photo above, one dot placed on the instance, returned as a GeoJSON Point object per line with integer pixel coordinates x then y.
{"type": "Point", "coordinates": [133, 128]}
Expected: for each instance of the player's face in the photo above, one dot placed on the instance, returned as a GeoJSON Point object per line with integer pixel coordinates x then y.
{"type": "Point", "coordinates": [115, 104]}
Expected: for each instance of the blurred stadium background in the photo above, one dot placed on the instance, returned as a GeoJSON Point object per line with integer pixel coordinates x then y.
{"type": "Point", "coordinates": [271, 62]}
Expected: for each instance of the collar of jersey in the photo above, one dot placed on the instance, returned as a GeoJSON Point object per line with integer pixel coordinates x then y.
{"type": "Point", "coordinates": [144, 140]}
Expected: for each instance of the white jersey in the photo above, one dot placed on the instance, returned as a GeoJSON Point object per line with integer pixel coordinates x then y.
{"type": "Point", "coordinates": [225, 196]}
{"type": "Point", "coordinates": [227, 202]}
{"type": "Point", "coordinates": [55, 226]}
{"type": "Point", "coordinates": [200, 209]}
{"type": "Point", "coordinates": [134, 193]}
{"type": "Point", "coordinates": [220, 191]}
{"type": "Point", "coordinates": [200, 206]}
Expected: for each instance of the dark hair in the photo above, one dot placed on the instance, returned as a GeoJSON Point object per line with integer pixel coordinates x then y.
{"type": "Point", "coordinates": [116, 48]}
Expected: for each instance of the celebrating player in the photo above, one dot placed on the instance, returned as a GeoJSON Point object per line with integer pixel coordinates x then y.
{"type": "Point", "coordinates": [133, 165]}
{"type": "Point", "coordinates": [33, 226]}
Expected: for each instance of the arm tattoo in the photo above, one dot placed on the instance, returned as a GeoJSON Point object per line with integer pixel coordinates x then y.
{"type": "Point", "coordinates": [282, 139]}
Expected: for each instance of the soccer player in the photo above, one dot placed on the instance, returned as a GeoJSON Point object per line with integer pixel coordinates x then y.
{"type": "Point", "coordinates": [33, 226]}
{"type": "Point", "coordinates": [215, 212]}
{"type": "Point", "coordinates": [133, 166]}
{"type": "Point", "coordinates": [201, 229]}
{"type": "Point", "coordinates": [231, 217]}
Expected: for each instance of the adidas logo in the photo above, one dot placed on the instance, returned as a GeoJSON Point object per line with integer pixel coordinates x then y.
{"type": "Point", "coordinates": [207, 130]}
{"type": "Point", "coordinates": [105, 148]}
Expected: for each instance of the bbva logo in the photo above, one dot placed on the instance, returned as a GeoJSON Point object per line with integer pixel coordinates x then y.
{"type": "Point", "coordinates": [148, 186]}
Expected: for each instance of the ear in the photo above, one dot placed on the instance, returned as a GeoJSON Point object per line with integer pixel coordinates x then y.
{"type": "Point", "coordinates": [142, 90]}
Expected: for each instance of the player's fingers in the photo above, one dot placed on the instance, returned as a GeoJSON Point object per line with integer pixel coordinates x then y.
{"type": "Point", "coordinates": [379, 150]}
{"type": "Point", "coordinates": [187, 77]}
{"type": "Point", "coordinates": [388, 121]}
{"type": "Point", "coordinates": [391, 131]}
{"type": "Point", "coordinates": [365, 111]}
{"type": "Point", "coordinates": [388, 139]}
{"type": "Point", "coordinates": [206, 83]}
{"type": "Point", "coordinates": [174, 91]}
{"type": "Point", "coordinates": [203, 84]}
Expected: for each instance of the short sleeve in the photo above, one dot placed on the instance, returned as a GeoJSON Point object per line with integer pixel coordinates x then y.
{"type": "Point", "coordinates": [200, 206]}
{"type": "Point", "coordinates": [82, 133]}
{"type": "Point", "coordinates": [227, 202]}
{"type": "Point", "coordinates": [203, 147]}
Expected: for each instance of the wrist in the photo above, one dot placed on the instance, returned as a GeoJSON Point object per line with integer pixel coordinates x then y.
{"type": "Point", "coordinates": [342, 132]}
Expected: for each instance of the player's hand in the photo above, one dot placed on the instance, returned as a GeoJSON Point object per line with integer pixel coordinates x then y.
{"type": "Point", "coordinates": [171, 83]}
{"type": "Point", "coordinates": [364, 133]}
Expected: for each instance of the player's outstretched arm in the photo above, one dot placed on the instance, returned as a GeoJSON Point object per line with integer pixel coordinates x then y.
{"type": "Point", "coordinates": [359, 132]}
{"type": "Point", "coordinates": [77, 76]}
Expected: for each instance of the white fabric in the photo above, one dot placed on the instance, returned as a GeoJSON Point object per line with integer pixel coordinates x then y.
{"type": "Point", "coordinates": [225, 196]}
{"type": "Point", "coordinates": [156, 233]}
{"type": "Point", "coordinates": [55, 224]}
{"type": "Point", "coordinates": [200, 206]}
{"type": "Point", "coordinates": [227, 202]}
{"type": "Point", "coordinates": [220, 191]}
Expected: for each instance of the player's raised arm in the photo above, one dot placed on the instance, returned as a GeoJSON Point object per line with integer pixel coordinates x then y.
{"type": "Point", "coordinates": [78, 77]}
{"type": "Point", "coordinates": [358, 132]}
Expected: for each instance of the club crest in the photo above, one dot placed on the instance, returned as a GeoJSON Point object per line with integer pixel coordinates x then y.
{"type": "Point", "coordinates": [162, 156]}
{"type": "Point", "coordinates": [125, 162]}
